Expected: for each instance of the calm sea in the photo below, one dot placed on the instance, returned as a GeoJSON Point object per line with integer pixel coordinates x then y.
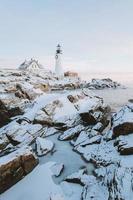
{"type": "Point", "coordinates": [116, 98]}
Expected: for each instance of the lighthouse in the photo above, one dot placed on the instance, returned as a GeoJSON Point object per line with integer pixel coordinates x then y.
{"type": "Point", "coordinates": [58, 63]}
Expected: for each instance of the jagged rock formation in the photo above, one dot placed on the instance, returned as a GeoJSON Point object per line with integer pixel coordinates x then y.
{"type": "Point", "coordinates": [19, 88]}
{"type": "Point", "coordinates": [57, 113]}
{"type": "Point", "coordinates": [76, 116]}
{"type": "Point", "coordinates": [103, 83]}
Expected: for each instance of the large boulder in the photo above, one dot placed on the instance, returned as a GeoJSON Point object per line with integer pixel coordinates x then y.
{"type": "Point", "coordinates": [122, 122]}
{"type": "Point", "coordinates": [15, 166]}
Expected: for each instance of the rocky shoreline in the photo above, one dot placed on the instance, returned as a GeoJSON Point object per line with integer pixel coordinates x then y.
{"type": "Point", "coordinates": [30, 113]}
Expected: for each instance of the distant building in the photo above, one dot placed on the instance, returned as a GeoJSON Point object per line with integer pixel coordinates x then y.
{"type": "Point", "coordinates": [30, 65]}
{"type": "Point", "coordinates": [71, 74]}
{"type": "Point", "coordinates": [58, 63]}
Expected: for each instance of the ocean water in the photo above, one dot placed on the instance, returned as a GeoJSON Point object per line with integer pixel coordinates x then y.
{"type": "Point", "coordinates": [124, 78]}
{"type": "Point", "coordinates": [116, 98]}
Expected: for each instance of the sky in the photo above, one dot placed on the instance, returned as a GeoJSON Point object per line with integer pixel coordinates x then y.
{"type": "Point", "coordinates": [95, 35]}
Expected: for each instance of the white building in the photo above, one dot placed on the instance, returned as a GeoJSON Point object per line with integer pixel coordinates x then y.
{"type": "Point", "coordinates": [58, 63]}
{"type": "Point", "coordinates": [30, 65]}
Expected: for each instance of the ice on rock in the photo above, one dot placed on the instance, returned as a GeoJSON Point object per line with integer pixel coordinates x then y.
{"type": "Point", "coordinates": [43, 146]}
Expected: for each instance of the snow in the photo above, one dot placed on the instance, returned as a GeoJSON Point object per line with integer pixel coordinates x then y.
{"type": "Point", "coordinates": [38, 185]}
{"type": "Point", "coordinates": [65, 109]}
{"type": "Point", "coordinates": [72, 191]}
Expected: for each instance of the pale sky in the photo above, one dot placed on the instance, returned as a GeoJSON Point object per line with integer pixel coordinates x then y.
{"type": "Point", "coordinates": [96, 35]}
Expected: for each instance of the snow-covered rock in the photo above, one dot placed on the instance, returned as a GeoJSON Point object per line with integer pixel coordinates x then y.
{"type": "Point", "coordinates": [122, 122]}
{"type": "Point", "coordinates": [15, 166]}
{"type": "Point", "coordinates": [19, 133]}
{"type": "Point", "coordinates": [42, 118]}
{"type": "Point", "coordinates": [50, 131]}
{"type": "Point", "coordinates": [77, 177]}
{"type": "Point", "coordinates": [103, 83]}
{"type": "Point", "coordinates": [79, 116]}
{"type": "Point", "coordinates": [57, 169]}
{"type": "Point", "coordinates": [43, 146]}
{"type": "Point", "coordinates": [125, 144]}
{"type": "Point", "coordinates": [19, 87]}
{"type": "Point", "coordinates": [71, 133]}
{"type": "Point", "coordinates": [117, 180]}
{"type": "Point", "coordinates": [94, 190]}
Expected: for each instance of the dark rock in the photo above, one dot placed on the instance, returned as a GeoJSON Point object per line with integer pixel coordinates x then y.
{"type": "Point", "coordinates": [123, 129]}
{"type": "Point", "coordinates": [88, 118]}
{"type": "Point", "coordinates": [125, 145]}
{"type": "Point", "coordinates": [15, 168]}
{"type": "Point", "coordinates": [6, 112]}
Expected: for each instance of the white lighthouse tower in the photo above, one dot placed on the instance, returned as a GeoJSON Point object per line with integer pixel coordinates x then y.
{"type": "Point", "coordinates": [58, 64]}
